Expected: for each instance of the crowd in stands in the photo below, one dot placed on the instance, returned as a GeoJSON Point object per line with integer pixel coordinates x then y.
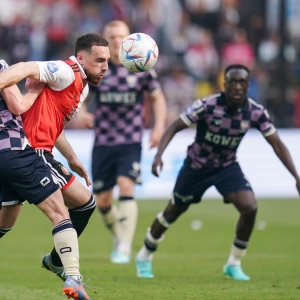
{"type": "Point", "coordinates": [196, 38]}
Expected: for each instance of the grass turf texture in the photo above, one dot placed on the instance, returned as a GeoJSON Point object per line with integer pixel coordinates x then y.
{"type": "Point", "coordinates": [188, 264]}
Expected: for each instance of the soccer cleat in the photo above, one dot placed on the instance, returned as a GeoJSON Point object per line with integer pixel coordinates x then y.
{"type": "Point", "coordinates": [74, 289]}
{"type": "Point", "coordinates": [144, 268]}
{"type": "Point", "coordinates": [117, 257]}
{"type": "Point", "coordinates": [235, 272]}
{"type": "Point", "coordinates": [47, 264]}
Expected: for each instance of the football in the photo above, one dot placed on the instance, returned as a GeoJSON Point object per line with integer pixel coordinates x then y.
{"type": "Point", "coordinates": [138, 52]}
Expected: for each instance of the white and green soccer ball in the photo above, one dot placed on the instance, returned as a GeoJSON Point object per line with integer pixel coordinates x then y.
{"type": "Point", "coordinates": [138, 52]}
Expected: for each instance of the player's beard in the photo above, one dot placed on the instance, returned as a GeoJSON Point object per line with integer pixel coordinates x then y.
{"type": "Point", "coordinates": [92, 78]}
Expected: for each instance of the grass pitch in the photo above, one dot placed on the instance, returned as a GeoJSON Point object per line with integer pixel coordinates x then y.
{"type": "Point", "coordinates": [188, 264]}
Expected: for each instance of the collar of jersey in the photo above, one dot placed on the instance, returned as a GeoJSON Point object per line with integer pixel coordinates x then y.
{"type": "Point", "coordinates": [82, 73]}
{"type": "Point", "coordinates": [244, 108]}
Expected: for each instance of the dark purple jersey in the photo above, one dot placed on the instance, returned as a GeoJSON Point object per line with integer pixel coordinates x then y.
{"type": "Point", "coordinates": [219, 132]}
{"type": "Point", "coordinates": [119, 105]}
{"type": "Point", "coordinates": [11, 130]}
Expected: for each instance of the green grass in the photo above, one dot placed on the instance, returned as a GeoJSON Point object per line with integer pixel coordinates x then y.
{"type": "Point", "coordinates": [187, 265]}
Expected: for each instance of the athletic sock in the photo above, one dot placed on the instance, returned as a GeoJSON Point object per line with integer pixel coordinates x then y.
{"type": "Point", "coordinates": [112, 221]}
{"type": "Point", "coordinates": [149, 247]}
{"type": "Point", "coordinates": [128, 210]}
{"type": "Point", "coordinates": [80, 217]}
{"type": "Point", "coordinates": [66, 245]}
{"type": "Point", "coordinates": [4, 231]}
{"type": "Point", "coordinates": [237, 252]}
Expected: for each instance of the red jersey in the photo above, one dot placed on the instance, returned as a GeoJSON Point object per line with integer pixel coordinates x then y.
{"type": "Point", "coordinates": [58, 103]}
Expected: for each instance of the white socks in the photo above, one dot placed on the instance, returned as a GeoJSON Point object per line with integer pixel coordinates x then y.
{"type": "Point", "coordinates": [128, 212]}
{"type": "Point", "coordinates": [236, 254]}
{"type": "Point", "coordinates": [66, 246]}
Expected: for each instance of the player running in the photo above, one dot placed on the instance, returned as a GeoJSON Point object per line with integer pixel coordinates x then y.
{"type": "Point", "coordinates": [222, 120]}
{"type": "Point", "coordinates": [44, 122]}
{"type": "Point", "coordinates": [25, 176]}
{"type": "Point", "coordinates": [118, 106]}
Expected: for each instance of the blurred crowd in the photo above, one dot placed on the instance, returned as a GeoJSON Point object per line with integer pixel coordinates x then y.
{"type": "Point", "coordinates": [196, 38]}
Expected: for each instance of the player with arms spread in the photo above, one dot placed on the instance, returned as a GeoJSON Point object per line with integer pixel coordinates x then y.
{"type": "Point", "coordinates": [118, 115]}
{"type": "Point", "coordinates": [222, 120]}
{"type": "Point", "coordinates": [25, 176]}
{"type": "Point", "coordinates": [44, 122]}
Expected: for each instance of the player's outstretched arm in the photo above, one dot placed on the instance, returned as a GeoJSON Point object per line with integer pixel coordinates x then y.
{"type": "Point", "coordinates": [284, 155]}
{"type": "Point", "coordinates": [160, 115]}
{"type": "Point", "coordinates": [75, 164]}
{"type": "Point", "coordinates": [18, 72]}
{"type": "Point", "coordinates": [175, 127]}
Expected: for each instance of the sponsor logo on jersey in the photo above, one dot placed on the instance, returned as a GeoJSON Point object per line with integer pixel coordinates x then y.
{"type": "Point", "coordinates": [126, 98]}
{"type": "Point", "coordinates": [52, 67]}
{"type": "Point", "coordinates": [223, 140]}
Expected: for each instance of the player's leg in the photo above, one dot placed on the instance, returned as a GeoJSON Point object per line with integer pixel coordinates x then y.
{"type": "Point", "coordinates": [189, 188]}
{"type": "Point", "coordinates": [10, 206]}
{"type": "Point", "coordinates": [81, 206]}
{"type": "Point", "coordinates": [30, 177]}
{"type": "Point", "coordinates": [77, 198]}
{"type": "Point", "coordinates": [245, 203]}
{"type": "Point", "coordinates": [8, 217]}
{"type": "Point", "coordinates": [65, 242]}
{"type": "Point", "coordinates": [128, 174]}
{"type": "Point", "coordinates": [235, 188]}
{"type": "Point", "coordinates": [154, 236]}
{"type": "Point", "coordinates": [104, 179]}
{"type": "Point", "coordinates": [128, 215]}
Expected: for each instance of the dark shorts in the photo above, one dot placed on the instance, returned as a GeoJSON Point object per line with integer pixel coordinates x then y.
{"type": "Point", "coordinates": [24, 176]}
{"type": "Point", "coordinates": [191, 184]}
{"type": "Point", "coordinates": [61, 174]}
{"type": "Point", "coordinates": [109, 162]}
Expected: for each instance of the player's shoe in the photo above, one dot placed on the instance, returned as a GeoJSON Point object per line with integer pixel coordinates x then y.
{"type": "Point", "coordinates": [47, 264]}
{"type": "Point", "coordinates": [74, 289]}
{"type": "Point", "coordinates": [144, 268]}
{"type": "Point", "coordinates": [235, 272]}
{"type": "Point", "coordinates": [118, 257]}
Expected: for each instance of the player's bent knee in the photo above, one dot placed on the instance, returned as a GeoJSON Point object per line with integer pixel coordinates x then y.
{"type": "Point", "coordinates": [250, 209]}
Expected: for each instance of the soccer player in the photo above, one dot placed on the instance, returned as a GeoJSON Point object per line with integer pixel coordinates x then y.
{"type": "Point", "coordinates": [221, 121]}
{"type": "Point", "coordinates": [44, 122]}
{"type": "Point", "coordinates": [25, 176]}
{"type": "Point", "coordinates": [118, 132]}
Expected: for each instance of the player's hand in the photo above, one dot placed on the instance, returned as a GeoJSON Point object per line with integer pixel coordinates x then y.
{"type": "Point", "coordinates": [298, 184]}
{"type": "Point", "coordinates": [34, 86]}
{"type": "Point", "coordinates": [157, 164]}
{"type": "Point", "coordinates": [155, 137]}
{"type": "Point", "coordinates": [77, 167]}
{"type": "Point", "coordinates": [86, 120]}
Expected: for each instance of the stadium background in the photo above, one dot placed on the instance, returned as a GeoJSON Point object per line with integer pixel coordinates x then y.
{"type": "Point", "coordinates": [196, 38]}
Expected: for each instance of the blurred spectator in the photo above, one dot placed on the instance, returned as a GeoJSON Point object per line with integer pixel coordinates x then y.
{"type": "Point", "coordinates": [201, 57]}
{"type": "Point", "coordinates": [238, 51]}
{"type": "Point", "coordinates": [179, 89]}
{"type": "Point", "coordinates": [206, 34]}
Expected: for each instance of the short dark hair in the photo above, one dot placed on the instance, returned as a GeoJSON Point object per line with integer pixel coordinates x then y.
{"type": "Point", "coordinates": [236, 66]}
{"type": "Point", "coordinates": [87, 41]}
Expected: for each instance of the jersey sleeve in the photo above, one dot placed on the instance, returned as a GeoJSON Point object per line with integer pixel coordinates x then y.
{"type": "Point", "coordinates": [152, 85]}
{"type": "Point", "coordinates": [193, 113]}
{"type": "Point", "coordinates": [264, 123]}
{"type": "Point", "coordinates": [57, 74]}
